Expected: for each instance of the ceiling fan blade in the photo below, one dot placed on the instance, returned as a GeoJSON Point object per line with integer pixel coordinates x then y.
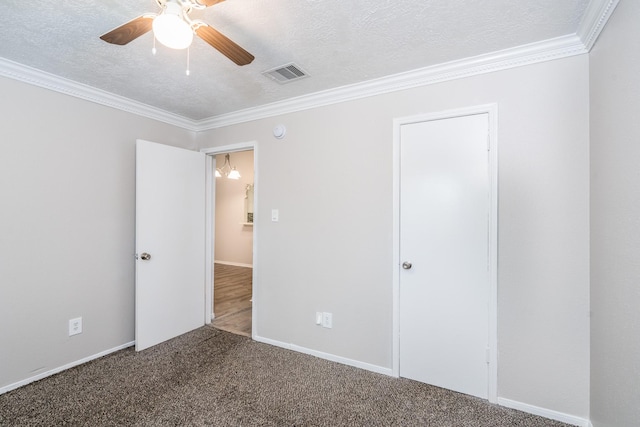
{"type": "Point", "coordinates": [129, 31]}
{"type": "Point", "coordinates": [227, 47]}
{"type": "Point", "coordinates": [208, 3]}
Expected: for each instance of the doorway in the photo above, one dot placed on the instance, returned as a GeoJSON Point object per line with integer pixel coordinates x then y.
{"type": "Point", "coordinates": [445, 250]}
{"type": "Point", "coordinates": [233, 242]}
{"type": "Point", "coordinates": [231, 209]}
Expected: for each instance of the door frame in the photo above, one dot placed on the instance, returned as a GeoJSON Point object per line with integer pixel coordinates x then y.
{"type": "Point", "coordinates": [210, 227]}
{"type": "Point", "coordinates": [492, 111]}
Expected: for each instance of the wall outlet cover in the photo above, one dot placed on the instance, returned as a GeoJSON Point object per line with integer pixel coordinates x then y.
{"type": "Point", "coordinates": [75, 326]}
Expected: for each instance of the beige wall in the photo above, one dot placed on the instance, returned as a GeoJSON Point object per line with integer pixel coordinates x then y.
{"type": "Point", "coordinates": [331, 179]}
{"type": "Point", "coordinates": [67, 191]}
{"type": "Point", "coordinates": [233, 240]}
{"type": "Point", "coordinates": [615, 220]}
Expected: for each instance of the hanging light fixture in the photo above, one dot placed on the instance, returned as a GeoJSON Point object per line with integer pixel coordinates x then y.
{"type": "Point", "coordinates": [171, 29]}
{"type": "Point", "coordinates": [234, 174]}
{"type": "Point", "coordinates": [227, 170]}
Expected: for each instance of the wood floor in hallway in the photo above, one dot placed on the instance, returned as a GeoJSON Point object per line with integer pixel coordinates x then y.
{"type": "Point", "coordinates": [232, 295]}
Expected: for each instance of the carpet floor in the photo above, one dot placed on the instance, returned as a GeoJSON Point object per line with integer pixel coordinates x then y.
{"type": "Point", "coordinates": [210, 377]}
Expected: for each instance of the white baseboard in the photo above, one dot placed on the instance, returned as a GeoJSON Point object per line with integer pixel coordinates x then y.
{"type": "Point", "coordinates": [543, 412]}
{"type": "Point", "coordinates": [237, 264]}
{"type": "Point", "coordinates": [63, 368]}
{"type": "Point", "coordinates": [326, 356]}
{"type": "Point", "coordinates": [524, 407]}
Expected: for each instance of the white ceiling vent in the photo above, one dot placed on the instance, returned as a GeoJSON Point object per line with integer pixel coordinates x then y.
{"type": "Point", "coordinates": [286, 73]}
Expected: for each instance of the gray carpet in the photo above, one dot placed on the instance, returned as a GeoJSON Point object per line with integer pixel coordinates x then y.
{"type": "Point", "coordinates": [213, 378]}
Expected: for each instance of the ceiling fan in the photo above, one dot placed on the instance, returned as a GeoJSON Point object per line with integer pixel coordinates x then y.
{"type": "Point", "coordinates": [174, 28]}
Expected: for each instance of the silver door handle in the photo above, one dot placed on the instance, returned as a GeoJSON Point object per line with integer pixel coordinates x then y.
{"type": "Point", "coordinates": [406, 265]}
{"type": "Point", "coordinates": [145, 256]}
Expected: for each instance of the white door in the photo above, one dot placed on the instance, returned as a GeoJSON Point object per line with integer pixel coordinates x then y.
{"type": "Point", "coordinates": [444, 232]}
{"type": "Point", "coordinates": [170, 221]}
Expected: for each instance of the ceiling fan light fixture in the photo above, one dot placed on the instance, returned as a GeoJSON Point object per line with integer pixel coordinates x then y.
{"type": "Point", "coordinates": [171, 29]}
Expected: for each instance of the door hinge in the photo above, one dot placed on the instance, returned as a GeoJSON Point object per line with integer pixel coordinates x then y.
{"type": "Point", "coordinates": [488, 353]}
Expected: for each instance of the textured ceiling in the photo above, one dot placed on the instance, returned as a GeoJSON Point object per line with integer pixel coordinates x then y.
{"type": "Point", "coordinates": [338, 42]}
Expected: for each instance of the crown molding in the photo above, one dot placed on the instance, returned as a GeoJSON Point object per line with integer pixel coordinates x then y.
{"type": "Point", "coordinates": [547, 50]}
{"type": "Point", "coordinates": [595, 17]}
{"type": "Point", "coordinates": [33, 76]}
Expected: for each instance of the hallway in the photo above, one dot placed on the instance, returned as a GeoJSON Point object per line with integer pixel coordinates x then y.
{"type": "Point", "coordinates": [232, 299]}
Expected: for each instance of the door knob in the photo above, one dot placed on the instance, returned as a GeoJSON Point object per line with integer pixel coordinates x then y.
{"type": "Point", "coordinates": [406, 265]}
{"type": "Point", "coordinates": [145, 256]}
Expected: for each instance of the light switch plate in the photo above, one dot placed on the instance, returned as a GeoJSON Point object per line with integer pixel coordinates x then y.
{"type": "Point", "coordinates": [327, 320]}
{"type": "Point", "coordinates": [275, 215]}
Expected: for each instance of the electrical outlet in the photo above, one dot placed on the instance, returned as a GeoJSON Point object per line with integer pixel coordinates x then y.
{"type": "Point", "coordinates": [327, 320]}
{"type": "Point", "coordinates": [75, 326]}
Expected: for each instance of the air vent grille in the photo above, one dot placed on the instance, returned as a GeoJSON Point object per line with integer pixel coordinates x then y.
{"type": "Point", "coordinates": [286, 73]}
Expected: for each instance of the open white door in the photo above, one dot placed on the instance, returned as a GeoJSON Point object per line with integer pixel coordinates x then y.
{"type": "Point", "coordinates": [170, 242]}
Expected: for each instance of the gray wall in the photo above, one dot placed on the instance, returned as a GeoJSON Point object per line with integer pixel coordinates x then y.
{"type": "Point", "coordinates": [331, 179]}
{"type": "Point", "coordinates": [67, 190]}
{"type": "Point", "coordinates": [615, 220]}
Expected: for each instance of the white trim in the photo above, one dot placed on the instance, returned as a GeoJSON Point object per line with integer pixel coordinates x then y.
{"type": "Point", "coordinates": [595, 17]}
{"type": "Point", "coordinates": [231, 148]}
{"type": "Point", "coordinates": [395, 250]}
{"type": "Point", "coordinates": [531, 409]}
{"type": "Point", "coordinates": [492, 111]}
{"type": "Point", "coordinates": [543, 412]}
{"type": "Point", "coordinates": [493, 252]}
{"type": "Point", "coordinates": [46, 80]}
{"type": "Point", "coordinates": [50, 372]}
{"type": "Point", "coordinates": [326, 356]}
{"type": "Point", "coordinates": [209, 250]}
{"type": "Point", "coordinates": [209, 237]}
{"type": "Point", "coordinates": [236, 264]}
{"type": "Point", "coordinates": [547, 50]}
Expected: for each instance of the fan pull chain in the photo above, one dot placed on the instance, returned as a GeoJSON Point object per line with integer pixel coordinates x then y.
{"type": "Point", "coordinates": [188, 50]}
{"type": "Point", "coordinates": [153, 50]}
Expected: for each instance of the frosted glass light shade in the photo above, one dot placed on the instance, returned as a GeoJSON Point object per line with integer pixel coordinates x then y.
{"type": "Point", "coordinates": [234, 174]}
{"type": "Point", "coordinates": [171, 30]}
